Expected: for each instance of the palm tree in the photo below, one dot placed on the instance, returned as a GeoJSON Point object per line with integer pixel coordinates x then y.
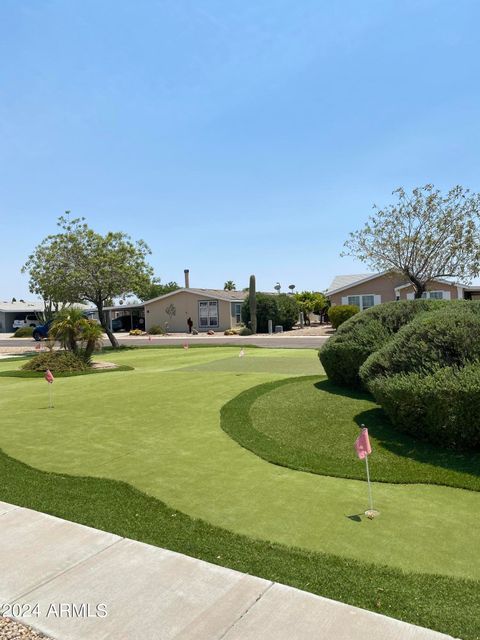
{"type": "Point", "coordinates": [292, 288]}
{"type": "Point", "coordinates": [277, 287]}
{"type": "Point", "coordinates": [91, 337]}
{"type": "Point", "coordinates": [67, 327]}
{"type": "Point", "coordinates": [229, 286]}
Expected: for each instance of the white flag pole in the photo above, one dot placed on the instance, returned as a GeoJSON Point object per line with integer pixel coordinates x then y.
{"type": "Point", "coordinates": [370, 499]}
{"type": "Point", "coordinates": [50, 395]}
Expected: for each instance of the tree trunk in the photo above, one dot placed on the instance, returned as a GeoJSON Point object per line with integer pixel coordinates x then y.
{"type": "Point", "coordinates": [418, 288]}
{"type": "Point", "coordinates": [101, 317]}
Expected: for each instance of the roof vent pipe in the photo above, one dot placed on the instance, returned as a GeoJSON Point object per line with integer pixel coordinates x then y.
{"type": "Point", "coordinates": [187, 278]}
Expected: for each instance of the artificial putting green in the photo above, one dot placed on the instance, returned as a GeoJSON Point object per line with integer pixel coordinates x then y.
{"type": "Point", "coordinates": [158, 429]}
{"type": "Point", "coordinates": [310, 424]}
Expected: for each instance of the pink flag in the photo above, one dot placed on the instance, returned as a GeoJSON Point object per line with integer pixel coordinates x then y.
{"type": "Point", "coordinates": [49, 376]}
{"type": "Point", "coordinates": [241, 354]}
{"type": "Point", "coordinates": [185, 345]}
{"type": "Point", "coordinates": [362, 444]}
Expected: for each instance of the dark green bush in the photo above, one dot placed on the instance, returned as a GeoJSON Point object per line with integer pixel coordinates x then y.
{"type": "Point", "coordinates": [341, 313]}
{"type": "Point", "coordinates": [280, 309]}
{"type": "Point", "coordinates": [245, 331]}
{"type": "Point", "coordinates": [288, 310]}
{"type": "Point", "coordinates": [56, 361]}
{"type": "Point", "coordinates": [442, 407]}
{"type": "Point", "coordinates": [448, 337]}
{"type": "Point", "coordinates": [23, 332]}
{"type": "Point", "coordinates": [364, 333]}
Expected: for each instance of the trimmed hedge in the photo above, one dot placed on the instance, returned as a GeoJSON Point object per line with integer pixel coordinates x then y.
{"type": "Point", "coordinates": [364, 333]}
{"type": "Point", "coordinates": [341, 313]}
{"type": "Point", "coordinates": [449, 337]}
{"type": "Point", "coordinates": [56, 361]}
{"type": "Point", "coordinates": [442, 407]}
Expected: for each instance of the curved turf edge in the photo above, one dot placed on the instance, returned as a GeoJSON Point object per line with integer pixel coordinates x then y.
{"type": "Point", "coordinates": [449, 605]}
{"type": "Point", "coordinates": [236, 421]}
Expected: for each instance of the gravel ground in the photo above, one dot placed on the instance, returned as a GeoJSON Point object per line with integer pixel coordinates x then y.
{"type": "Point", "coordinates": [13, 630]}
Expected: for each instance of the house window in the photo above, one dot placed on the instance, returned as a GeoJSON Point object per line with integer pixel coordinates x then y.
{"type": "Point", "coordinates": [431, 295]}
{"type": "Point", "coordinates": [363, 302]}
{"type": "Point", "coordinates": [436, 295]}
{"type": "Point", "coordinates": [237, 312]}
{"type": "Point", "coordinates": [208, 314]}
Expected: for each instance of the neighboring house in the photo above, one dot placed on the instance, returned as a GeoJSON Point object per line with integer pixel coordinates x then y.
{"type": "Point", "coordinates": [369, 289]}
{"type": "Point", "coordinates": [11, 311]}
{"type": "Point", "coordinates": [214, 309]}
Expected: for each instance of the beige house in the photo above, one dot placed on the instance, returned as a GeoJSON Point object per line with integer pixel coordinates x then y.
{"type": "Point", "coordinates": [213, 309]}
{"type": "Point", "coordinates": [369, 289]}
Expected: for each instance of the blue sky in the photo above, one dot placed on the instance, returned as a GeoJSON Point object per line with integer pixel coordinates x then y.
{"type": "Point", "coordinates": [234, 137]}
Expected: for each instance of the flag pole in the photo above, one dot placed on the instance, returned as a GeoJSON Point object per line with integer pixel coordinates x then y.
{"type": "Point", "coordinates": [370, 499]}
{"type": "Point", "coordinates": [50, 398]}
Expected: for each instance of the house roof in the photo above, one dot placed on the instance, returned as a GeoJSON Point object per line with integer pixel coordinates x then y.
{"type": "Point", "coordinates": [21, 307]}
{"type": "Point", "coordinates": [339, 283]}
{"type": "Point", "coordinates": [217, 294]}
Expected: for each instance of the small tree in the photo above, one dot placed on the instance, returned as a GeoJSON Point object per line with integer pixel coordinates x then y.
{"type": "Point", "coordinates": [155, 289]}
{"type": "Point", "coordinates": [424, 236]}
{"type": "Point", "coordinates": [311, 302]}
{"type": "Point", "coordinates": [278, 287]}
{"type": "Point", "coordinates": [229, 286]}
{"type": "Point", "coordinates": [78, 265]}
{"type": "Point", "coordinates": [292, 288]}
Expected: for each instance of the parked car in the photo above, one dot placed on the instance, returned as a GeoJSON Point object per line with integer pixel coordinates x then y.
{"type": "Point", "coordinates": [41, 331]}
{"type": "Point", "coordinates": [122, 323]}
{"type": "Point", "coordinates": [29, 320]}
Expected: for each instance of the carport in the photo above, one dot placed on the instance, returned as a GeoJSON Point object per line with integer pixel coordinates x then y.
{"type": "Point", "coordinates": [9, 311]}
{"type": "Point", "coordinates": [132, 315]}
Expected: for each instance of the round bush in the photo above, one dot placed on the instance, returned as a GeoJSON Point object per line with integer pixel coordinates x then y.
{"type": "Point", "coordinates": [56, 361]}
{"type": "Point", "coordinates": [156, 330]}
{"type": "Point", "coordinates": [341, 313]}
{"type": "Point", "coordinates": [442, 407]}
{"type": "Point", "coordinates": [24, 332]}
{"type": "Point", "coordinates": [449, 337]}
{"type": "Point", "coordinates": [364, 333]}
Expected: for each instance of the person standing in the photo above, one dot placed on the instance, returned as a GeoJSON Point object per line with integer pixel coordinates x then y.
{"type": "Point", "coordinates": [190, 325]}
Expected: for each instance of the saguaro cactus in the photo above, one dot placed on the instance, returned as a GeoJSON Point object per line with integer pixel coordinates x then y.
{"type": "Point", "coordinates": [252, 299]}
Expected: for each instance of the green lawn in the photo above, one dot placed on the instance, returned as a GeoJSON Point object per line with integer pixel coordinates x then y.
{"type": "Point", "coordinates": [157, 428]}
{"type": "Point", "coordinates": [311, 425]}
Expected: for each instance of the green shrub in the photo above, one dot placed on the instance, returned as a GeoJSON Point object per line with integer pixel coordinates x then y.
{"type": "Point", "coordinates": [364, 333]}
{"type": "Point", "coordinates": [442, 407]}
{"type": "Point", "coordinates": [245, 331]}
{"type": "Point", "coordinates": [287, 311]}
{"type": "Point", "coordinates": [23, 332]}
{"type": "Point", "coordinates": [56, 361]}
{"type": "Point", "coordinates": [156, 330]}
{"type": "Point", "coordinates": [448, 337]}
{"type": "Point", "coordinates": [266, 310]}
{"type": "Point", "coordinates": [342, 312]}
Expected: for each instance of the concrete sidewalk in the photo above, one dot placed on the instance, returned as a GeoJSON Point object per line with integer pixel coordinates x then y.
{"type": "Point", "coordinates": [69, 576]}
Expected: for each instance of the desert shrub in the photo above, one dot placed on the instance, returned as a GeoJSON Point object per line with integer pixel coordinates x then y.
{"type": "Point", "coordinates": [442, 407]}
{"type": "Point", "coordinates": [23, 332]}
{"type": "Point", "coordinates": [135, 332]}
{"type": "Point", "coordinates": [245, 331]}
{"type": "Point", "coordinates": [156, 330]}
{"type": "Point", "coordinates": [231, 332]}
{"type": "Point", "coordinates": [448, 337]}
{"type": "Point", "coordinates": [287, 311]}
{"type": "Point", "coordinates": [364, 333]}
{"type": "Point", "coordinates": [266, 310]}
{"type": "Point", "coordinates": [56, 361]}
{"type": "Point", "coordinates": [340, 313]}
